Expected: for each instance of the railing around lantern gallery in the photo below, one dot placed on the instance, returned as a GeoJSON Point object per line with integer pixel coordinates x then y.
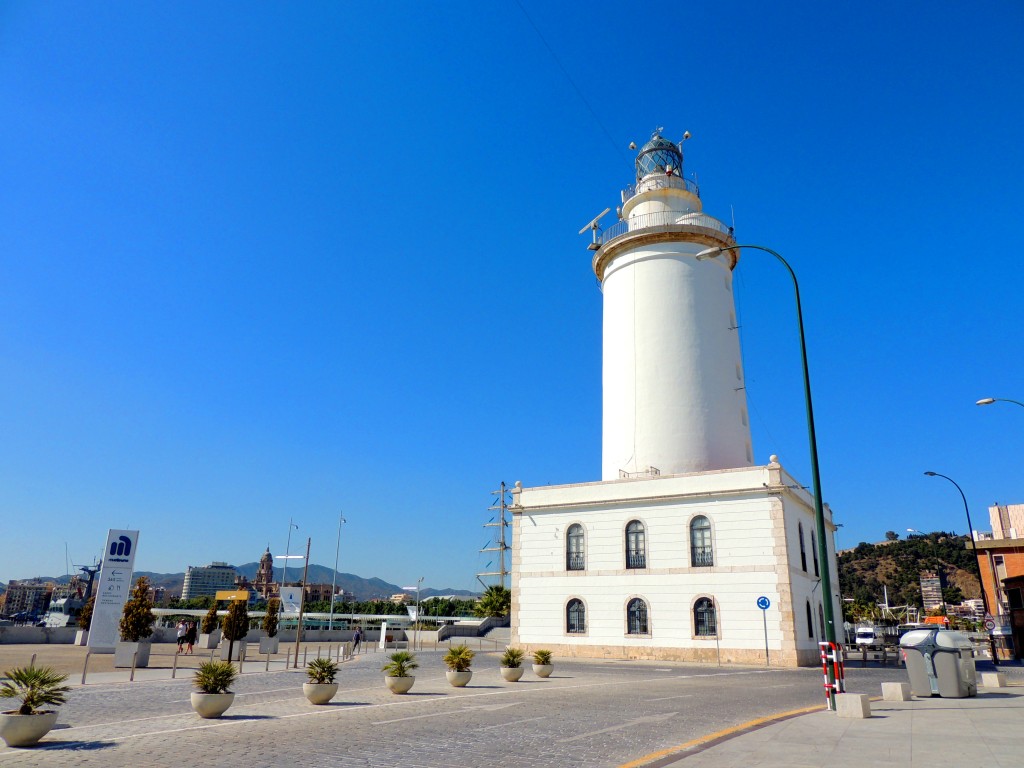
{"type": "Point", "coordinates": [660, 181]}
{"type": "Point", "coordinates": [662, 219]}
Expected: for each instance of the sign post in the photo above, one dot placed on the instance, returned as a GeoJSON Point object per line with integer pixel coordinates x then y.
{"type": "Point", "coordinates": [112, 592]}
{"type": "Point", "coordinates": [764, 604]}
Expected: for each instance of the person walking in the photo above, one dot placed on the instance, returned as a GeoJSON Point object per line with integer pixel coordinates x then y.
{"type": "Point", "coordinates": [181, 629]}
{"type": "Point", "coordinates": [190, 636]}
{"type": "Point", "coordinates": [355, 640]}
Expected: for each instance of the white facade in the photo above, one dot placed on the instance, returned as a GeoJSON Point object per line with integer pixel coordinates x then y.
{"type": "Point", "coordinates": [206, 580]}
{"type": "Point", "coordinates": [666, 557]}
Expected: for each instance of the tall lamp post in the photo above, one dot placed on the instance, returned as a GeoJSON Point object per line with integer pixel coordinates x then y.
{"type": "Point", "coordinates": [990, 400]}
{"type": "Point", "coordinates": [287, 552]}
{"type": "Point", "coordinates": [974, 546]}
{"type": "Point", "coordinates": [334, 578]}
{"type": "Point", "coordinates": [419, 581]}
{"type": "Point", "coordinates": [819, 511]}
{"type": "Point", "coordinates": [302, 598]}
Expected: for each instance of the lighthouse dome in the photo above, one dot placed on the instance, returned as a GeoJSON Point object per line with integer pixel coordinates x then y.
{"type": "Point", "coordinates": [659, 155]}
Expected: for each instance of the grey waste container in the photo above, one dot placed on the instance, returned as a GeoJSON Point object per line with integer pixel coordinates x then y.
{"type": "Point", "coordinates": [940, 663]}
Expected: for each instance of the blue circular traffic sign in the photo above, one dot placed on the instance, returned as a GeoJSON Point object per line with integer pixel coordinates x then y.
{"type": "Point", "coordinates": [763, 603]}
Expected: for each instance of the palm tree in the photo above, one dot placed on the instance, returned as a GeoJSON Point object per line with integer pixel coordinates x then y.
{"type": "Point", "coordinates": [496, 602]}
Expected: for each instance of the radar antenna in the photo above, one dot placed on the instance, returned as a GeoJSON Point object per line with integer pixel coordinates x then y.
{"type": "Point", "coordinates": [593, 226]}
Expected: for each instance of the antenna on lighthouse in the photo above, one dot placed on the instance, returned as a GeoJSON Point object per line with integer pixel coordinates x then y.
{"type": "Point", "coordinates": [593, 226]}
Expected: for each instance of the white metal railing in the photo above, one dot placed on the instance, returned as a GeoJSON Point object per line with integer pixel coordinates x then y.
{"type": "Point", "coordinates": [660, 181]}
{"type": "Point", "coordinates": [662, 219]}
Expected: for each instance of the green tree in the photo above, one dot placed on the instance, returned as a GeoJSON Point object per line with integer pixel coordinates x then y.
{"type": "Point", "coordinates": [137, 617]}
{"type": "Point", "coordinates": [270, 620]}
{"type": "Point", "coordinates": [892, 536]}
{"type": "Point", "coordinates": [210, 620]}
{"type": "Point", "coordinates": [236, 624]}
{"type": "Point", "coordinates": [85, 617]}
{"type": "Point", "coordinates": [496, 602]}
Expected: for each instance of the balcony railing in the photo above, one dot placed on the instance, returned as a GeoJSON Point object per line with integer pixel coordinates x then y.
{"type": "Point", "coordinates": [662, 219]}
{"type": "Point", "coordinates": [636, 560]}
{"type": "Point", "coordinates": [575, 561]}
{"type": "Point", "coordinates": [701, 557]}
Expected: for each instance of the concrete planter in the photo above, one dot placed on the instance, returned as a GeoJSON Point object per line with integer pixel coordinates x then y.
{"type": "Point", "coordinates": [319, 693]}
{"type": "Point", "coordinates": [399, 684]}
{"type": "Point", "coordinates": [210, 641]}
{"type": "Point", "coordinates": [237, 654]}
{"type": "Point", "coordinates": [123, 653]}
{"type": "Point", "coordinates": [543, 670]}
{"type": "Point", "coordinates": [512, 674]}
{"type": "Point", "coordinates": [459, 679]}
{"type": "Point", "coordinates": [210, 705]}
{"type": "Point", "coordinates": [26, 730]}
{"type": "Point", "coordinates": [269, 644]}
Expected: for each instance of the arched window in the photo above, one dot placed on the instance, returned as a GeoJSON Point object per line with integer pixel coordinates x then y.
{"type": "Point", "coordinates": [810, 621]}
{"type": "Point", "coordinates": [636, 617]}
{"type": "Point", "coordinates": [700, 542]}
{"type": "Point", "coordinates": [803, 552]}
{"type": "Point", "coordinates": [814, 553]}
{"type": "Point", "coordinates": [704, 619]}
{"type": "Point", "coordinates": [575, 557]}
{"type": "Point", "coordinates": [636, 546]}
{"type": "Point", "coordinates": [575, 617]}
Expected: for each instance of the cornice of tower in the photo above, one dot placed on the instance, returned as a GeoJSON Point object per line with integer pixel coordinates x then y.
{"type": "Point", "coordinates": [663, 233]}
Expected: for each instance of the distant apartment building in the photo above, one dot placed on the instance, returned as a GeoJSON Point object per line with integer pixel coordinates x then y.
{"type": "Point", "coordinates": [205, 580]}
{"type": "Point", "coordinates": [400, 598]}
{"type": "Point", "coordinates": [931, 590]}
{"type": "Point", "coordinates": [30, 596]}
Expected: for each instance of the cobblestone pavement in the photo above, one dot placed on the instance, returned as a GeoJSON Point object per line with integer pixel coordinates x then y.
{"type": "Point", "coordinates": [599, 713]}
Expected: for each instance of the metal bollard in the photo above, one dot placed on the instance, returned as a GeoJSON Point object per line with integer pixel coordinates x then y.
{"type": "Point", "coordinates": [318, 648]}
{"type": "Point", "coordinates": [174, 667]}
{"type": "Point", "coordinates": [86, 665]}
{"type": "Point", "coordinates": [33, 662]}
{"type": "Point", "coordinates": [288, 658]}
{"type": "Point", "coordinates": [131, 677]}
{"type": "Point", "coordinates": [304, 652]}
{"type": "Point", "coordinates": [267, 667]}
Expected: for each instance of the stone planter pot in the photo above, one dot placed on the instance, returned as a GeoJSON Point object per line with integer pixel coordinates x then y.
{"type": "Point", "coordinates": [459, 679]}
{"type": "Point", "coordinates": [210, 705]}
{"type": "Point", "coordinates": [512, 674]}
{"type": "Point", "coordinates": [123, 654]}
{"type": "Point", "coordinates": [210, 641]}
{"type": "Point", "coordinates": [26, 730]}
{"type": "Point", "coordinates": [319, 693]}
{"type": "Point", "coordinates": [236, 654]}
{"type": "Point", "coordinates": [399, 684]}
{"type": "Point", "coordinates": [543, 670]}
{"type": "Point", "coordinates": [269, 644]}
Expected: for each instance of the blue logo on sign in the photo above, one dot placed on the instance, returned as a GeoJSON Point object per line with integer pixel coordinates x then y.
{"type": "Point", "coordinates": [763, 603]}
{"type": "Point", "coordinates": [122, 547]}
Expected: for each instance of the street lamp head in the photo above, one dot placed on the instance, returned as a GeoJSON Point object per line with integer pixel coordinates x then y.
{"type": "Point", "coordinates": [986, 401]}
{"type": "Point", "coordinates": [709, 253]}
{"type": "Point", "coordinates": [932, 474]}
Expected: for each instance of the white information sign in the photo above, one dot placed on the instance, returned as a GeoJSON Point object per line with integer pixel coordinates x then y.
{"type": "Point", "coordinates": [114, 585]}
{"type": "Point", "coordinates": [383, 635]}
{"type": "Point", "coordinates": [291, 597]}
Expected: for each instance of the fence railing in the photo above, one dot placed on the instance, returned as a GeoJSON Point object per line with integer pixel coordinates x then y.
{"type": "Point", "coordinates": [660, 181]}
{"type": "Point", "coordinates": [575, 562]}
{"type": "Point", "coordinates": [662, 219]}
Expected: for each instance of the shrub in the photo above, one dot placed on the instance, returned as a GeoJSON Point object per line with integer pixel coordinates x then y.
{"type": "Point", "coordinates": [210, 620]}
{"type": "Point", "coordinates": [400, 665]}
{"type": "Point", "coordinates": [37, 687]}
{"type": "Point", "coordinates": [321, 670]}
{"type": "Point", "coordinates": [236, 623]}
{"type": "Point", "coordinates": [215, 676]}
{"type": "Point", "coordinates": [541, 657]}
{"type": "Point", "coordinates": [137, 617]}
{"type": "Point", "coordinates": [270, 620]}
{"type": "Point", "coordinates": [459, 658]}
{"type": "Point", "coordinates": [512, 657]}
{"type": "Point", "coordinates": [85, 617]}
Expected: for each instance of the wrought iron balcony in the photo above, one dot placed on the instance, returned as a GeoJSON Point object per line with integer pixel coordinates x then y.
{"type": "Point", "coordinates": [701, 557]}
{"type": "Point", "coordinates": [575, 561]}
{"type": "Point", "coordinates": [636, 559]}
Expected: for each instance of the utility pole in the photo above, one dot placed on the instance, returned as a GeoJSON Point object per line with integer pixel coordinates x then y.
{"type": "Point", "coordinates": [500, 544]}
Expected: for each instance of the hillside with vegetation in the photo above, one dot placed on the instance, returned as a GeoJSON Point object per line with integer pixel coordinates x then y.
{"type": "Point", "coordinates": [898, 564]}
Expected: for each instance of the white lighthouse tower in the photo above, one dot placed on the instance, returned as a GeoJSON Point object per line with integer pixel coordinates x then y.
{"type": "Point", "coordinates": [673, 553]}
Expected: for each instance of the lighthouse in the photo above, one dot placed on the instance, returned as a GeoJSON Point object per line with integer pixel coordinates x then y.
{"type": "Point", "coordinates": [686, 549]}
{"type": "Point", "coordinates": [674, 399]}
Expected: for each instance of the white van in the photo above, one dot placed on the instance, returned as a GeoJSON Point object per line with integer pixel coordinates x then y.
{"type": "Point", "coordinates": [869, 636]}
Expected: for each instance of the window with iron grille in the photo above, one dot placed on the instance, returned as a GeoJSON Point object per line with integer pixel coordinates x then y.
{"type": "Point", "coordinates": [803, 552]}
{"type": "Point", "coordinates": [636, 617]}
{"type": "Point", "coordinates": [810, 621]}
{"type": "Point", "coordinates": [636, 546]}
{"type": "Point", "coordinates": [575, 556]}
{"type": "Point", "coordinates": [701, 552]}
{"type": "Point", "coordinates": [814, 553]}
{"type": "Point", "coordinates": [575, 617]}
{"type": "Point", "coordinates": [704, 620]}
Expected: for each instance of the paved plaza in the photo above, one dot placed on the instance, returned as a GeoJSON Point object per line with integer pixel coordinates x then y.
{"type": "Point", "coordinates": [589, 713]}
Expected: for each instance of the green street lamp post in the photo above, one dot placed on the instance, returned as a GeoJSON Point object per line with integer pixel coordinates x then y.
{"type": "Point", "coordinates": [974, 546]}
{"type": "Point", "coordinates": [819, 511]}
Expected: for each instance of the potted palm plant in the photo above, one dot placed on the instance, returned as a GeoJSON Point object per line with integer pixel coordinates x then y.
{"type": "Point", "coordinates": [36, 687]}
{"type": "Point", "coordinates": [396, 671]}
{"type": "Point", "coordinates": [321, 686]}
{"type": "Point", "coordinates": [512, 664]}
{"type": "Point", "coordinates": [137, 619]}
{"type": "Point", "coordinates": [271, 642]}
{"type": "Point", "coordinates": [212, 679]}
{"type": "Point", "coordinates": [209, 632]}
{"type": "Point", "coordinates": [458, 660]}
{"type": "Point", "coordinates": [542, 666]}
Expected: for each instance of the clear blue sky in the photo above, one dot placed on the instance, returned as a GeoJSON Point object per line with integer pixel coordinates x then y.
{"type": "Point", "coordinates": [270, 261]}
